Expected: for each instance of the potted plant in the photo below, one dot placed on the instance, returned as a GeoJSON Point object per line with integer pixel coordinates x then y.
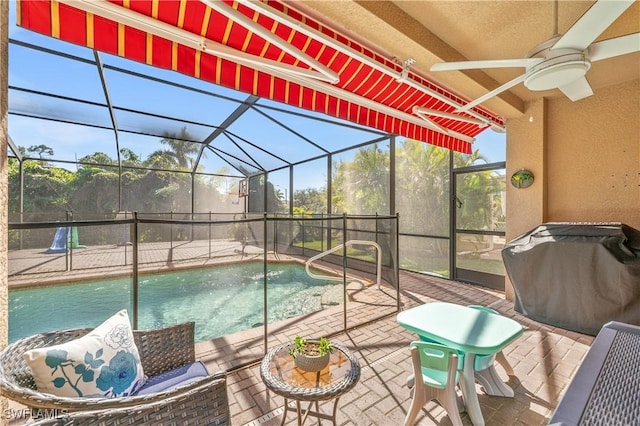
{"type": "Point", "coordinates": [311, 355]}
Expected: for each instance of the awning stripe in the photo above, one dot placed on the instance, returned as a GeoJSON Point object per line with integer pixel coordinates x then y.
{"type": "Point", "coordinates": [357, 76]}
{"type": "Point", "coordinates": [90, 30]}
{"type": "Point", "coordinates": [55, 20]}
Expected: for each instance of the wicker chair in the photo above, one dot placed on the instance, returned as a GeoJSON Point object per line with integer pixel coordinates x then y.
{"type": "Point", "coordinates": [203, 402]}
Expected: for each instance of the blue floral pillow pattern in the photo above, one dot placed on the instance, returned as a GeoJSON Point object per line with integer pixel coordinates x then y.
{"type": "Point", "coordinates": [104, 363]}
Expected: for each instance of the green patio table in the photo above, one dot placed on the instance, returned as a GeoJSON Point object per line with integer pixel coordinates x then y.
{"type": "Point", "coordinates": [471, 331]}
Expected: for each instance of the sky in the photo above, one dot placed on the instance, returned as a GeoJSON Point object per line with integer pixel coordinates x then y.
{"type": "Point", "coordinates": [46, 73]}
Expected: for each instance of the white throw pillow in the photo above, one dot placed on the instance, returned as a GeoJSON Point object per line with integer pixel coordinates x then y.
{"type": "Point", "coordinates": [104, 363]}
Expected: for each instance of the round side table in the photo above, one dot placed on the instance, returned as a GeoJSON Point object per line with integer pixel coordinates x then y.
{"type": "Point", "coordinates": [279, 374]}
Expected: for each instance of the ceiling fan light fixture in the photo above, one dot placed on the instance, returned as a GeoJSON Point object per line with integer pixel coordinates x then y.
{"type": "Point", "coordinates": [562, 61]}
{"type": "Point", "coordinates": [556, 73]}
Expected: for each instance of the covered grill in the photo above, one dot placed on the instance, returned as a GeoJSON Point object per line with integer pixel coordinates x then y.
{"type": "Point", "coordinates": [576, 276]}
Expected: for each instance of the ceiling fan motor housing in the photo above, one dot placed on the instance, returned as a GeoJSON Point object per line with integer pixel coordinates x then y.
{"type": "Point", "coordinates": [562, 61]}
{"type": "Point", "coordinates": [557, 68]}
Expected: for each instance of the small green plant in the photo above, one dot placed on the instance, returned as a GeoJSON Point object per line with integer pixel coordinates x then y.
{"type": "Point", "coordinates": [522, 179]}
{"type": "Point", "coordinates": [310, 348]}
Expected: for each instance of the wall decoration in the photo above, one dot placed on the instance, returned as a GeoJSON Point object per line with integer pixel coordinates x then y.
{"type": "Point", "coordinates": [522, 179]}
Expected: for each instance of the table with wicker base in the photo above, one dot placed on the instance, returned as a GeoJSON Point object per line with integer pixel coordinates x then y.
{"type": "Point", "coordinates": [280, 375]}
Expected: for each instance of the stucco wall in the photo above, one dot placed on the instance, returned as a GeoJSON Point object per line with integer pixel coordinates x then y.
{"type": "Point", "coordinates": [585, 157]}
{"type": "Point", "coordinates": [593, 157]}
{"type": "Point", "coordinates": [526, 142]}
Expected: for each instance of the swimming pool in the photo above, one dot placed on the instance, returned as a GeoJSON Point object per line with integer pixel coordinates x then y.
{"type": "Point", "coordinates": [221, 300]}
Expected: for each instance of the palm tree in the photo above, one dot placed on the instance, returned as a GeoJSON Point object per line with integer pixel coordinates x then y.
{"type": "Point", "coordinates": [180, 152]}
{"type": "Point", "coordinates": [129, 157]}
{"type": "Point", "coordinates": [362, 185]}
{"type": "Point", "coordinates": [371, 173]}
{"type": "Point", "coordinates": [422, 188]}
{"type": "Point", "coordinates": [479, 195]}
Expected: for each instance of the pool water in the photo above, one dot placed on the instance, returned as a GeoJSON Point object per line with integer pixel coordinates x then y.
{"type": "Point", "coordinates": [220, 300]}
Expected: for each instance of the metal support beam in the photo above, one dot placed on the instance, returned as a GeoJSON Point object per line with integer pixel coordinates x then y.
{"type": "Point", "coordinates": [236, 114]}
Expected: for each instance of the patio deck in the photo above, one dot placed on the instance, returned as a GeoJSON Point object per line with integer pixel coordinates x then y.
{"type": "Point", "coordinates": [544, 358]}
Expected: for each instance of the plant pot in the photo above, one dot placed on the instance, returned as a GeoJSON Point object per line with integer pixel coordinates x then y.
{"type": "Point", "coordinates": [311, 362]}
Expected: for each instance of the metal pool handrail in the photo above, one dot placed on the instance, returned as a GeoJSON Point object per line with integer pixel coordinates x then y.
{"type": "Point", "coordinates": [339, 247]}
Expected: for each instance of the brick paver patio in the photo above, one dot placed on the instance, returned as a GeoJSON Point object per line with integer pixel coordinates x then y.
{"type": "Point", "coordinates": [544, 358]}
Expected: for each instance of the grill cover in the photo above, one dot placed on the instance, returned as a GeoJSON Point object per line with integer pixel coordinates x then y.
{"type": "Point", "coordinates": [576, 276]}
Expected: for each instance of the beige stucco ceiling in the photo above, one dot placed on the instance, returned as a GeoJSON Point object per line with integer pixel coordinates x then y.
{"type": "Point", "coordinates": [456, 30]}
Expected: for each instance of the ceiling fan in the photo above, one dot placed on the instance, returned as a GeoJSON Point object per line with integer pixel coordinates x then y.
{"type": "Point", "coordinates": [562, 61]}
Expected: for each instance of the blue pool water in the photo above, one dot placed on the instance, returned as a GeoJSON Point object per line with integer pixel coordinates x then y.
{"type": "Point", "coordinates": [221, 300]}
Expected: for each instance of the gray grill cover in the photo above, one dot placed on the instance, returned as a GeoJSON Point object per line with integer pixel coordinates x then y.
{"type": "Point", "coordinates": [576, 276]}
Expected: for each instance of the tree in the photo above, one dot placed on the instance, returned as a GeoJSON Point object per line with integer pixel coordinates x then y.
{"type": "Point", "coordinates": [179, 153]}
{"type": "Point", "coordinates": [95, 186]}
{"type": "Point", "coordinates": [41, 150]}
{"type": "Point", "coordinates": [309, 201]}
{"type": "Point", "coordinates": [256, 196]}
{"type": "Point", "coordinates": [422, 188]}
{"type": "Point", "coordinates": [160, 160]}
{"type": "Point", "coordinates": [280, 200]}
{"type": "Point", "coordinates": [97, 158]}
{"type": "Point", "coordinates": [129, 157]}
{"type": "Point", "coordinates": [362, 185]}
{"type": "Point", "coordinates": [45, 188]}
{"type": "Point", "coordinates": [479, 200]}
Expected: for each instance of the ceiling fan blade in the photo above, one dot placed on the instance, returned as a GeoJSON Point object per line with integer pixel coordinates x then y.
{"type": "Point", "coordinates": [592, 24]}
{"type": "Point", "coordinates": [471, 65]}
{"type": "Point", "coordinates": [508, 85]}
{"type": "Point", "coordinates": [577, 90]}
{"type": "Point", "coordinates": [614, 47]}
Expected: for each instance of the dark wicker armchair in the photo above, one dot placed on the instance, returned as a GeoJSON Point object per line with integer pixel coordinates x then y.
{"type": "Point", "coordinates": [203, 402]}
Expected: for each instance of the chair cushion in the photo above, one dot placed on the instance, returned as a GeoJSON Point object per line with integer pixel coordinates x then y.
{"type": "Point", "coordinates": [172, 379]}
{"type": "Point", "coordinates": [103, 363]}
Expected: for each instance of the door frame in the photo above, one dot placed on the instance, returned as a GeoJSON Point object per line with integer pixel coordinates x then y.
{"type": "Point", "coordinates": [484, 279]}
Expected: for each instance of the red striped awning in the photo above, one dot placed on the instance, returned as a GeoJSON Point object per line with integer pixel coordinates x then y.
{"type": "Point", "coordinates": [281, 55]}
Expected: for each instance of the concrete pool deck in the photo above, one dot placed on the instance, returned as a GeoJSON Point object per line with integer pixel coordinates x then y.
{"type": "Point", "coordinates": [37, 267]}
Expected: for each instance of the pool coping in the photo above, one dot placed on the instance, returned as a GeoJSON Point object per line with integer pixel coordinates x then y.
{"type": "Point", "coordinates": [109, 272]}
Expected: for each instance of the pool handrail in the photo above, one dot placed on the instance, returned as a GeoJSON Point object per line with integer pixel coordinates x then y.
{"type": "Point", "coordinates": [339, 247]}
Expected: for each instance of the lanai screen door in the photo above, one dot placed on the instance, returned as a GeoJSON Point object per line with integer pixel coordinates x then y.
{"type": "Point", "coordinates": [479, 224]}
